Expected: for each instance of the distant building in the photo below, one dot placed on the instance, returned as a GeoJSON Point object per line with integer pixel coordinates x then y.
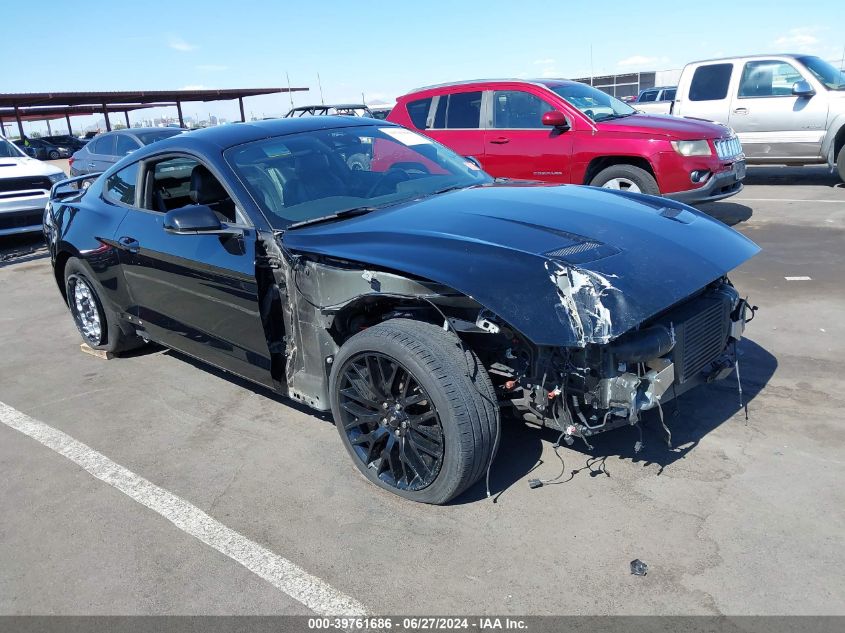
{"type": "Point", "coordinates": [630, 84]}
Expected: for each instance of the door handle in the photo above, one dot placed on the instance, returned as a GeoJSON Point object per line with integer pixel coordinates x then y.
{"type": "Point", "coordinates": [129, 244]}
{"type": "Point", "coordinates": [740, 110]}
{"type": "Point", "coordinates": [500, 140]}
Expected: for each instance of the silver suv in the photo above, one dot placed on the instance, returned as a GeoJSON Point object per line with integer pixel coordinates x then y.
{"type": "Point", "coordinates": [786, 109]}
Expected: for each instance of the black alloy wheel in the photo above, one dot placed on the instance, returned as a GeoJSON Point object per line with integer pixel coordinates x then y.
{"type": "Point", "coordinates": [414, 409]}
{"type": "Point", "coordinates": [391, 422]}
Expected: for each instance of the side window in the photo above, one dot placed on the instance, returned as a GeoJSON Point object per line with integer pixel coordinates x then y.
{"type": "Point", "coordinates": [418, 111]}
{"type": "Point", "coordinates": [124, 145]}
{"type": "Point", "coordinates": [104, 145]}
{"type": "Point", "coordinates": [669, 95]}
{"type": "Point", "coordinates": [464, 110]}
{"type": "Point", "coordinates": [460, 110]}
{"type": "Point", "coordinates": [514, 109]}
{"type": "Point", "coordinates": [181, 181]}
{"type": "Point", "coordinates": [710, 83]}
{"type": "Point", "coordinates": [648, 95]}
{"type": "Point", "coordinates": [120, 186]}
{"type": "Point", "coordinates": [768, 78]}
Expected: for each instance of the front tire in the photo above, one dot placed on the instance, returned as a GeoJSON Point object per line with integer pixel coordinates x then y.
{"type": "Point", "coordinates": [98, 328]}
{"type": "Point", "coordinates": [840, 164]}
{"type": "Point", "coordinates": [417, 417]}
{"type": "Point", "coordinates": [54, 155]}
{"type": "Point", "coordinates": [626, 178]}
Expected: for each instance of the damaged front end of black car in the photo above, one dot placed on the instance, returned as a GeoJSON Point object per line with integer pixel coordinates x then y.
{"type": "Point", "coordinates": [586, 307]}
{"type": "Point", "coordinates": [606, 385]}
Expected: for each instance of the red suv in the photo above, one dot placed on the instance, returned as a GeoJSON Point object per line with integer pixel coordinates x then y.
{"type": "Point", "coordinates": [560, 131]}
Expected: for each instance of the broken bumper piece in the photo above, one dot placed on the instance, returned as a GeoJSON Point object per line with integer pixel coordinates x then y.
{"type": "Point", "coordinates": [689, 346]}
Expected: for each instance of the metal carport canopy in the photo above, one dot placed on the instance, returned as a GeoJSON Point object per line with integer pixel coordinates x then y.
{"type": "Point", "coordinates": [51, 113]}
{"type": "Point", "coordinates": [105, 99]}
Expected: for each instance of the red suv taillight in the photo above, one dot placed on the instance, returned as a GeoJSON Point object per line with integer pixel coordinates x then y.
{"type": "Point", "coordinates": [70, 162]}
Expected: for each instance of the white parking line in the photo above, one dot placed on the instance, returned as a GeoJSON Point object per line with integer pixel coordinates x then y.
{"type": "Point", "coordinates": [309, 590]}
{"type": "Point", "coordinates": [799, 278]}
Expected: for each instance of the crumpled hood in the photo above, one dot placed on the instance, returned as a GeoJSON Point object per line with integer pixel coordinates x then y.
{"type": "Point", "coordinates": [674, 127]}
{"type": "Point", "coordinates": [533, 255]}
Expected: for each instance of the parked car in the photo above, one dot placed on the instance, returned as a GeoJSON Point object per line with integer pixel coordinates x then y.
{"type": "Point", "coordinates": [561, 131]}
{"type": "Point", "coordinates": [73, 143]}
{"type": "Point", "coordinates": [787, 109]}
{"type": "Point", "coordinates": [104, 150]}
{"type": "Point", "coordinates": [24, 189]}
{"type": "Point", "coordinates": [413, 300]}
{"type": "Point", "coordinates": [42, 149]}
{"type": "Point", "coordinates": [656, 95]}
{"type": "Point", "coordinates": [342, 109]}
{"type": "Point", "coordinates": [381, 111]}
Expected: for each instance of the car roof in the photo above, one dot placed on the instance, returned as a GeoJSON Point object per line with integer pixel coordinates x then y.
{"type": "Point", "coordinates": [222, 137]}
{"type": "Point", "coordinates": [543, 83]}
{"type": "Point", "coordinates": [750, 57]}
{"type": "Point", "coordinates": [328, 106]}
{"type": "Point", "coordinates": [135, 130]}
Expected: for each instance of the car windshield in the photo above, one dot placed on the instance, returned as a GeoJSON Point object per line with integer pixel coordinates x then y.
{"type": "Point", "coordinates": [8, 150]}
{"type": "Point", "coordinates": [156, 135]}
{"type": "Point", "coordinates": [833, 79]}
{"type": "Point", "coordinates": [323, 173]}
{"type": "Point", "coordinates": [597, 105]}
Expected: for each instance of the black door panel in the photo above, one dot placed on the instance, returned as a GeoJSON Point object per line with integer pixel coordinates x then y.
{"type": "Point", "coordinates": [196, 293]}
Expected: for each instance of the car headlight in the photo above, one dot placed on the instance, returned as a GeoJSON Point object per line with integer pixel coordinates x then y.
{"type": "Point", "coordinates": [692, 148]}
{"type": "Point", "coordinates": [54, 178]}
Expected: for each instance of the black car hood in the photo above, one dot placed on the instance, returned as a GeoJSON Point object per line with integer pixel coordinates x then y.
{"type": "Point", "coordinates": [564, 265]}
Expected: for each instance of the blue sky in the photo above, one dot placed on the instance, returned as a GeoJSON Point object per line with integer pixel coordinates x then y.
{"type": "Point", "coordinates": [381, 48]}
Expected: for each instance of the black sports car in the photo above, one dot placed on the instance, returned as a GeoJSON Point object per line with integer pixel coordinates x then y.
{"type": "Point", "coordinates": [415, 298]}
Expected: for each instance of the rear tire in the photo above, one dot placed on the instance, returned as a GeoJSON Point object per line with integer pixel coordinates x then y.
{"type": "Point", "coordinates": [99, 328]}
{"type": "Point", "coordinates": [437, 405]}
{"type": "Point", "coordinates": [626, 178]}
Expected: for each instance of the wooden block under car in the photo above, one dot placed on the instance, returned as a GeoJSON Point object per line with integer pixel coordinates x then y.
{"type": "Point", "coordinates": [99, 353]}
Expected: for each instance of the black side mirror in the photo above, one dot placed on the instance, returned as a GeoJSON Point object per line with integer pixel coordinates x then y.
{"type": "Point", "coordinates": [802, 89]}
{"type": "Point", "coordinates": [195, 219]}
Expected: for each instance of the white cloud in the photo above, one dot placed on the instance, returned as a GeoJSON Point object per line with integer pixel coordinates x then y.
{"type": "Point", "coordinates": [801, 39]}
{"type": "Point", "coordinates": [641, 61]}
{"type": "Point", "coordinates": [547, 67]}
{"type": "Point", "coordinates": [178, 44]}
{"type": "Point", "coordinates": [212, 68]}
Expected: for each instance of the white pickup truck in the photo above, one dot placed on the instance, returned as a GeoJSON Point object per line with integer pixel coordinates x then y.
{"type": "Point", "coordinates": [25, 185]}
{"type": "Point", "coordinates": [786, 109]}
